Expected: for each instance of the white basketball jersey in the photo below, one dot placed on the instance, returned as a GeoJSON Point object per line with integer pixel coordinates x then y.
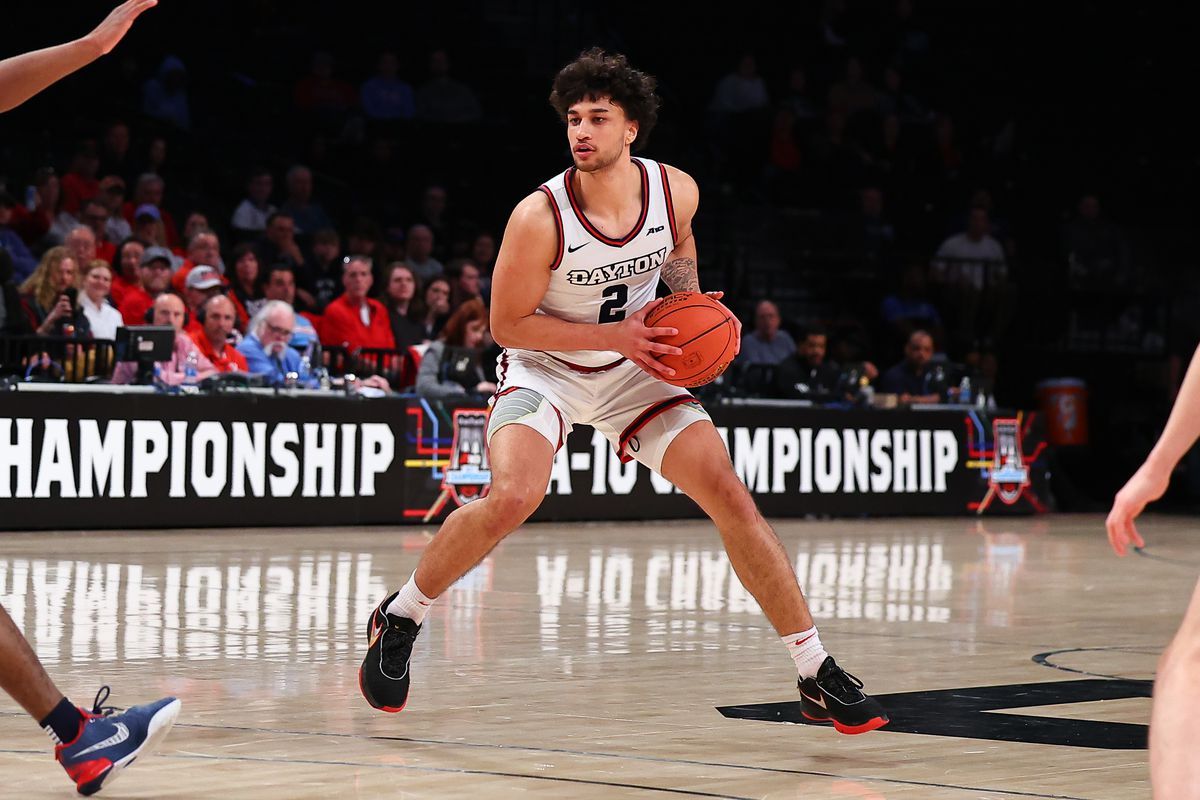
{"type": "Point", "coordinates": [598, 279]}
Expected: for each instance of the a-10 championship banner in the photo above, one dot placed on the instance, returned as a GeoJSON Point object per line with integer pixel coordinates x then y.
{"type": "Point", "coordinates": [796, 461]}
{"type": "Point", "coordinates": [90, 460]}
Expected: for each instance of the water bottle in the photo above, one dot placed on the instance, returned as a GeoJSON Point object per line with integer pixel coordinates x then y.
{"type": "Point", "coordinates": [964, 391]}
{"type": "Point", "coordinates": [190, 368]}
{"type": "Point", "coordinates": [306, 365]}
{"type": "Point", "coordinates": [160, 385]}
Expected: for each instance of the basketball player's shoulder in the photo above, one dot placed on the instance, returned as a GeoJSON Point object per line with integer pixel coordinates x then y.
{"type": "Point", "coordinates": [533, 230]}
{"type": "Point", "coordinates": [685, 194]}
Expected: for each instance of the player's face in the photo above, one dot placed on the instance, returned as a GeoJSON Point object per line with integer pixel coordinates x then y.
{"type": "Point", "coordinates": [599, 133]}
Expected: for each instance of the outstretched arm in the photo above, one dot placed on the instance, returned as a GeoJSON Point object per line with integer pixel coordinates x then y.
{"type": "Point", "coordinates": [23, 76]}
{"type": "Point", "coordinates": [1150, 481]}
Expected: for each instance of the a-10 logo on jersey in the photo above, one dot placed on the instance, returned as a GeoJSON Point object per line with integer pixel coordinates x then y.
{"type": "Point", "coordinates": [618, 271]}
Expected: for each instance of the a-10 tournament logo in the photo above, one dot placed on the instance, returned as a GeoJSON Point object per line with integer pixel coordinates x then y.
{"type": "Point", "coordinates": [467, 476]}
{"type": "Point", "coordinates": [1009, 476]}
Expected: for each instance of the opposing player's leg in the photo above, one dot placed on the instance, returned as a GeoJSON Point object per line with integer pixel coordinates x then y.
{"type": "Point", "coordinates": [696, 461]}
{"type": "Point", "coordinates": [90, 745]}
{"type": "Point", "coordinates": [1174, 722]}
{"type": "Point", "coordinates": [520, 457]}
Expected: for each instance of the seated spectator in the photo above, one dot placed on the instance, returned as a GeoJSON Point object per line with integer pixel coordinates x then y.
{"type": "Point", "coordinates": [125, 273]}
{"type": "Point", "coordinates": [94, 214]}
{"type": "Point", "coordinates": [33, 223]}
{"type": "Point", "coordinates": [913, 380]}
{"type": "Point", "coordinates": [853, 94]}
{"type": "Point", "coordinates": [385, 96]}
{"type": "Point", "coordinates": [149, 192]}
{"type": "Point", "coordinates": [203, 247]}
{"type": "Point", "coordinates": [81, 244]}
{"type": "Point", "coordinates": [22, 260]}
{"type": "Point", "coordinates": [13, 320]}
{"type": "Point", "coordinates": [909, 308]}
{"type": "Point", "coordinates": [443, 99]}
{"type": "Point", "coordinates": [155, 271]}
{"type": "Point", "coordinates": [452, 366]}
{"type": "Point", "coordinates": [165, 97]}
{"type": "Point", "coordinates": [355, 320]}
{"type": "Point", "coordinates": [213, 337]}
{"type": "Point", "coordinates": [320, 92]}
{"type": "Point", "coordinates": [246, 285]}
{"type": "Point", "coordinates": [79, 183]}
{"type": "Point", "coordinates": [806, 374]}
{"type": "Point", "coordinates": [767, 343]}
{"type": "Point", "coordinates": [48, 294]}
{"type": "Point", "coordinates": [169, 310]}
{"type": "Point", "coordinates": [250, 217]}
{"type": "Point", "coordinates": [398, 298]}
{"type": "Point", "coordinates": [433, 309]}
{"type": "Point", "coordinates": [101, 317]}
{"type": "Point", "coordinates": [321, 275]}
{"type": "Point", "coordinates": [740, 91]}
{"type": "Point", "coordinates": [1096, 250]}
{"type": "Point", "coordinates": [419, 247]}
{"type": "Point", "coordinates": [278, 244]}
{"type": "Point", "coordinates": [971, 274]}
{"type": "Point", "coordinates": [307, 214]}
{"type": "Point", "coordinates": [464, 283]}
{"type": "Point", "coordinates": [203, 282]}
{"type": "Point", "coordinates": [266, 349]}
{"type": "Point", "coordinates": [148, 226]}
{"type": "Point", "coordinates": [115, 156]}
{"type": "Point", "coordinates": [281, 285]}
{"type": "Point", "coordinates": [112, 197]}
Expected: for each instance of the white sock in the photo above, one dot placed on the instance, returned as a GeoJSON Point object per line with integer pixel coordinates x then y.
{"type": "Point", "coordinates": [410, 602]}
{"type": "Point", "coordinates": [806, 650]}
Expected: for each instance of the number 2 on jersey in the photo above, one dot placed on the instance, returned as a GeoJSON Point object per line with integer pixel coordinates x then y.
{"type": "Point", "coordinates": [613, 309]}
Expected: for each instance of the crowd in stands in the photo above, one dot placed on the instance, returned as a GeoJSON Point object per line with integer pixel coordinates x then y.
{"type": "Point", "coordinates": [908, 192]}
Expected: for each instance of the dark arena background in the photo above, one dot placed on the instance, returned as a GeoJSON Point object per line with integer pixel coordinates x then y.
{"type": "Point", "coordinates": [960, 237]}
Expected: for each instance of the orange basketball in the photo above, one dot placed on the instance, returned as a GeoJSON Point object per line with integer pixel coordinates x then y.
{"type": "Point", "coordinates": [707, 336]}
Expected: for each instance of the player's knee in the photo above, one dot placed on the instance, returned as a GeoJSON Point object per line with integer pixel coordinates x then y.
{"type": "Point", "coordinates": [511, 506]}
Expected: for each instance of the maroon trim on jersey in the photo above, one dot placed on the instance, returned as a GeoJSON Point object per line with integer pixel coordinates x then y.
{"type": "Point", "coordinates": [503, 370]}
{"type": "Point", "coordinates": [670, 205]}
{"type": "Point", "coordinates": [558, 226]}
{"type": "Point", "coordinates": [583, 220]}
{"type": "Point", "coordinates": [587, 370]}
{"type": "Point", "coordinates": [643, 420]}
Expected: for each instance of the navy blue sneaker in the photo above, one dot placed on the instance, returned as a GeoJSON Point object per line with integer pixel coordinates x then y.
{"type": "Point", "coordinates": [109, 742]}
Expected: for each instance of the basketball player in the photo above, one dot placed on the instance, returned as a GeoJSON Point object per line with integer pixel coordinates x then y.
{"type": "Point", "coordinates": [574, 280]}
{"type": "Point", "coordinates": [1174, 724]}
{"type": "Point", "coordinates": [93, 747]}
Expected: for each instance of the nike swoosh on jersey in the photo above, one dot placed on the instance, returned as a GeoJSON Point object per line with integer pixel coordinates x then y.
{"type": "Point", "coordinates": [121, 735]}
{"type": "Point", "coordinates": [577, 247]}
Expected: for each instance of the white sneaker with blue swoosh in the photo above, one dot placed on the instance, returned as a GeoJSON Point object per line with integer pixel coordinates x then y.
{"type": "Point", "coordinates": [108, 742]}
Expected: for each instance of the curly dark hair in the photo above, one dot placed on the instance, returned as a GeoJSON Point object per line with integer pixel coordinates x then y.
{"type": "Point", "coordinates": [598, 74]}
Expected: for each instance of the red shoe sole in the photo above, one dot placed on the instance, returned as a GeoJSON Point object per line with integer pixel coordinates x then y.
{"type": "Point", "coordinates": [367, 697]}
{"type": "Point", "coordinates": [866, 727]}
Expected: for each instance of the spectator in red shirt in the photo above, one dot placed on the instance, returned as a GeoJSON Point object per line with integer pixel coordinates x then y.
{"type": "Point", "coordinates": [353, 319]}
{"type": "Point", "coordinates": [125, 263]}
{"type": "Point", "coordinates": [95, 216]}
{"type": "Point", "coordinates": [203, 247]}
{"type": "Point", "coordinates": [81, 183]}
{"type": "Point", "coordinates": [156, 278]}
{"type": "Point", "coordinates": [213, 338]}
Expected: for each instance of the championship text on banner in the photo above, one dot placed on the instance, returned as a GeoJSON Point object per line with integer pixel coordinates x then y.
{"type": "Point", "coordinates": [106, 460]}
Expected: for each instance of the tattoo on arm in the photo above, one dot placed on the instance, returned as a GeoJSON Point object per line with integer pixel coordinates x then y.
{"type": "Point", "coordinates": [680, 275]}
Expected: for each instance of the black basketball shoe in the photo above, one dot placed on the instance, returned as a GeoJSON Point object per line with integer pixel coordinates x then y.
{"type": "Point", "coordinates": [836, 696]}
{"type": "Point", "coordinates": [384, 675]}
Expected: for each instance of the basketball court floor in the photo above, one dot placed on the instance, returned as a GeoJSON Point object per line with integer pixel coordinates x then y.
{"type": "Point", "coordinates": [610, 660]}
